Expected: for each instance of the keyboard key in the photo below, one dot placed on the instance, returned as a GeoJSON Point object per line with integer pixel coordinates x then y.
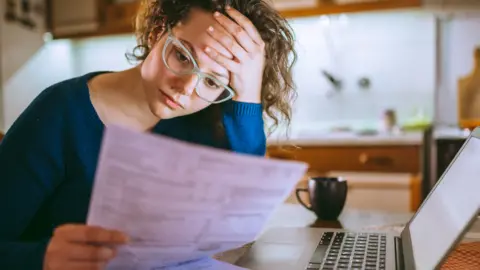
{"type": "Point", "coordinates": [330, 262]}
{"type": "Point", "coordinates": [313, 266]}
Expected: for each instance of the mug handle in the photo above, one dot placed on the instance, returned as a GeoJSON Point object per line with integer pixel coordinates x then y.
{"type": "Point", "coordinates": [297, 194]}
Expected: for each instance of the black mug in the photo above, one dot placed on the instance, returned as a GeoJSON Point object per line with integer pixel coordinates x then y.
{"type": "Point", "coordinates": [327, 196]}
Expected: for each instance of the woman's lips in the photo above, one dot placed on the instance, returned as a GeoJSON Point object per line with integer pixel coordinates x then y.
{"type": "Point", "coordinates": [169, 101]}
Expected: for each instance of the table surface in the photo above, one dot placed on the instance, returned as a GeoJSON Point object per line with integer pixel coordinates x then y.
{"type": "Point", "coordinates": [295, 215]}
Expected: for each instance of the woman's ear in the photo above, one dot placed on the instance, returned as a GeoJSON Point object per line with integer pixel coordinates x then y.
{"type": "Point", "coordinates": [154, 36]}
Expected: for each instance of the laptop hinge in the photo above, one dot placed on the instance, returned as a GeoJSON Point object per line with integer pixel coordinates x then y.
{"type": "Point", "coordinates": [399, 260]}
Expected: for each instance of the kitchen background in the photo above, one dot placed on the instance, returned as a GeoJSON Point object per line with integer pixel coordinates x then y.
{"type": "Point", "coordinates": [401, 53]}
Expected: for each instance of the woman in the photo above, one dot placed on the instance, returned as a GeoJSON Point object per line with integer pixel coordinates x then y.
{"type": "Point", "coordinates": [201, 78]}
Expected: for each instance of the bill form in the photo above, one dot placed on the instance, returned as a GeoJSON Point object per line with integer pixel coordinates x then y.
{"type": "Point", "coordinates": [179, 201]}
{"type": "Point", "coordinates": [202, 264]}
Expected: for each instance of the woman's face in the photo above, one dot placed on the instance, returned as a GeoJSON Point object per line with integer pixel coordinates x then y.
{"type": "Point", "coordinates": [168, 82]}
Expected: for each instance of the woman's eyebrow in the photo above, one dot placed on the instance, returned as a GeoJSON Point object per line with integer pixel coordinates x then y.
{"type": "Point", "coordinates": [189, 46]}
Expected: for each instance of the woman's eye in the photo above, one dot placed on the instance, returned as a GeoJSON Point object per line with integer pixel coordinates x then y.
{"type": "Point", "coordinates": [181, 57]}
{"type": "Point", "coordinates": [211, 83]}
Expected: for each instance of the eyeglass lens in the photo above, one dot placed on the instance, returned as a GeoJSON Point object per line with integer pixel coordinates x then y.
{"type": "Point", "coordinates": [208, 86]}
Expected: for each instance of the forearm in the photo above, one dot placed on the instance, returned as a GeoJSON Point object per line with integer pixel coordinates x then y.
{"type": "Point", "coordinates": [244, 128]}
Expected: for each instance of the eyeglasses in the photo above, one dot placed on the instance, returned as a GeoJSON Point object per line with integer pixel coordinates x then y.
{"type": "Point", "coordinates": [178, 59]}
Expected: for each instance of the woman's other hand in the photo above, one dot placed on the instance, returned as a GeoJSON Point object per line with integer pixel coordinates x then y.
{"type": "Point", "coordinates": [79, 247]}
{"type": "Point", "coordinates": [242, 40]}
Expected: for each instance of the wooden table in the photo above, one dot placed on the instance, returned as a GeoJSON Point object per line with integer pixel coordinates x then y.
{"type": "Point", "coordinates": [294, 215]}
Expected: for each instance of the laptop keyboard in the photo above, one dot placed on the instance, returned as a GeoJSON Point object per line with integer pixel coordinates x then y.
{"type": "Point", "coordinates": [347, 250]}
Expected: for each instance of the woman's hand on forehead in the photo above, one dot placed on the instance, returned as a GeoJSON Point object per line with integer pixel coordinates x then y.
{"type": "Point", "coordinates": [239, 37]}
{"type": "Point", "coordinates": [195, 31]}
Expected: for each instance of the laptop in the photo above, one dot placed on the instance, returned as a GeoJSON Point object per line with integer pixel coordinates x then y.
{"type": "Point", "coordinates": [432, 233]}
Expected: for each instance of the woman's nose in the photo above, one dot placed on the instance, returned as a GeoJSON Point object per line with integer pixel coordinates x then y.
{"type": "Point", "coordinates": [186, 84]}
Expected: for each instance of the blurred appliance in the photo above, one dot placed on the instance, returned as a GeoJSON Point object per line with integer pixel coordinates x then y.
{"type": "Point", "coordinates": [440, 145]}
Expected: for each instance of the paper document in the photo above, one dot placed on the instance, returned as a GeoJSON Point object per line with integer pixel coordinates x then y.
{"type": "Point", "coordinates": [179, 201]}
{"type": "Point", "coordinates": [202, 264]}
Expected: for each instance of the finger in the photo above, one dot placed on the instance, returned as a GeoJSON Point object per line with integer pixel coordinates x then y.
{"type": "Point", "coordinates": [79, 252]}
{"type": "Point", "coordinates": [86, 266]}
{"type": "Point", "coordinates": [246, 24]}
{"type": "Point", "coordinates": [234, 29]}
{"type": "Point", "coordinates": [212, 43]}
{"type": "Point", "coordinates": [227, 41]}
{"type": "Point", "coordinates": [92, 234]}
{"type": "Point", "coordinates": [229, 64]}
{"type": "Point", "coordinates": [78, 265]}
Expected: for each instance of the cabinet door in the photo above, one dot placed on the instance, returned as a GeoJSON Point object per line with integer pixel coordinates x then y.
{"type": "Point", "coordinates": [283, 5]}
{"type": "Point", "coordinates": [452, 5]}
{"type": "Point", "coordinates": [461, 4]}
{"type": "Point", "coordinates": [72, 17]}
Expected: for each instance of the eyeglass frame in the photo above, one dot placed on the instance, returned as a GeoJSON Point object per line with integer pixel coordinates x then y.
{"type": "Point", "coordinates": [196, 69]}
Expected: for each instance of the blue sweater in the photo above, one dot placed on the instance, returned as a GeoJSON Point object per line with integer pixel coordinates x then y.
{"type": "Point", "coordinates": [49, 156]}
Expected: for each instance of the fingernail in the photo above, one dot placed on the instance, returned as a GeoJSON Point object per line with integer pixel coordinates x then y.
{"type": "Point", "coordinates": [210, 29]}
{"type": "Point", "coordinates": [125, 238]}
{"type": "Point", "coordinates": [107, 252]}
{"type": "Point", "coordinates": [227, 7]}
{"type": "Point", "coordinates": [216, 14]}
{"type": "Point", "coordinates": [207, 49]}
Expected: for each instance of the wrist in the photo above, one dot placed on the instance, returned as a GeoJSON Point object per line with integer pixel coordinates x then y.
{"type": "Point", "coordinates": [248, 98]}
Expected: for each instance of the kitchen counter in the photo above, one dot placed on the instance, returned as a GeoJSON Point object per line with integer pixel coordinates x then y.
{"type": "Point", "coordinates": [450, 132]}
{"type": "Point", "coordinates": [346, 138]}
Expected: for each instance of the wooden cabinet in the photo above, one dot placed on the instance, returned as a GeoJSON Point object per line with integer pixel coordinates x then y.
{"type": "Point", "coordinates": [72, 18]}
{"type": "Point", "coordinates": [326, 7]}
{"type": "Point", "coordinates": [380, 177]}
{"type": "Point", "coordinates": [284, 5]}
{"type": "Point", "coordinates": [119, 17]}
{"type": "Point", "coordinates": [377, 158]}
{"type": "Point", "coordinates": [450, 5]}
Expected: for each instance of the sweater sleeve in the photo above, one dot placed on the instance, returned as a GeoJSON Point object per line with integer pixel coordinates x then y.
{"type": "Point", "coordinates": [31, 165]}
{"type": "Point", "coordinates": [244, 127]}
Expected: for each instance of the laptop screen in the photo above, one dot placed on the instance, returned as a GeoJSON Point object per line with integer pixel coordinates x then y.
{"type": "Point", "coordinates": [448, 209]}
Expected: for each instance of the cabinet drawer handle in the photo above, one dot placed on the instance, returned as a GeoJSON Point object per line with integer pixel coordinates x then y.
{"type": "Point", "coordinates": [364, 159]}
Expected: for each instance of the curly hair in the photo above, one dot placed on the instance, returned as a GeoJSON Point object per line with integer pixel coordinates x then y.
{"type": "Point", "coordinates": [278, 89]}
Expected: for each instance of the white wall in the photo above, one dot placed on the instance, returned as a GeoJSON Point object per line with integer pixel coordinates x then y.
{"type": "Point", "coordinates": [104, 53]}
{"type": "Point", "coordinates": [50, 64]}
{"type": "Point", "coordinates": [26, 64]}
{"type": "Point", "coordinates": [395, 50]}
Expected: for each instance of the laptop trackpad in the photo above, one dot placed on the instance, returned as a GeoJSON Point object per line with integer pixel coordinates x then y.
{"type": "Point", "coordinates": [282, 248]}
{"type": "Point", "coordinates": [274, 256]}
